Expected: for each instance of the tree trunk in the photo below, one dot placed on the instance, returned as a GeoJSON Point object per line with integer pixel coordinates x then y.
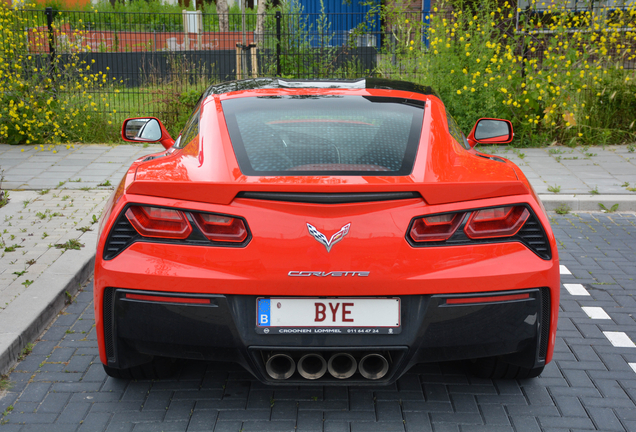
{"type": "Point", "coordinates": [222, 10]}
{"type": "Point", "coordinates": [260, 23]}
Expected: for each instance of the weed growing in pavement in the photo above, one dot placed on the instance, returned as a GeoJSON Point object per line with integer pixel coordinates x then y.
{"type": "Point", "coordinates": [12, 248]}
{"type": "Point", "coordinates": [595, 191]}
{"type": "Point", "coordinates": [70, 244]}
{"type": "Point", "coordinates": [43, 191]}
{"type": "Point", "coordinates": [94, 220]}
{"type": "Point", "coordinates": [19, 273]}
{"type": "Point", "coordinates": [61, 183]}
{"type": "Point", "coordinates": [631, 148]}
{"type": "Point", "coordinates": [105, 183]}
{"type": "Point", "coordinates": [4, 195]}
{"type": "Point", "coordinates": [540, 67]}
{"type": "Point", "coordinates": [84, 228]}
{"type": "Point", "coordinates": [44, 235]}
{"type": "Point", "coordinates": [562, 209]}
{"type": "Point", "coordinates": [26, 351]}
{"type": "Point", "coordinates": [77, 180]}
{"type": "Point", "coordinates": [631, 189]}
{"type": "Point", "coordinates": [31, 262]}
{"type": "Point", "coordinates": [26, 283]}
{"type": "Point", "coordinates": [626, 184]}
{"type": "Point", "coordinates": [5, 384]}
{"type": "Point", "coordinates": [608, 210]}
{"type": "Point", "coordinates": [554, 189]}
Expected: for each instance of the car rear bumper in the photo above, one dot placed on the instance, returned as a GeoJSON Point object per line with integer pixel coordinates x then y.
{"type": "Point", "coordinates": [433, 330]}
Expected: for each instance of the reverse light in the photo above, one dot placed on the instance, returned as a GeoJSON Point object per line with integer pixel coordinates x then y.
{"type": "Point", "coordinates": [159, 222]}
{"type": "Point", "coordinates": [496, 222]}
{"type": "Point", "coordinates": [435, 228]}
{"type": "Point", "coordinates": [221, 228]}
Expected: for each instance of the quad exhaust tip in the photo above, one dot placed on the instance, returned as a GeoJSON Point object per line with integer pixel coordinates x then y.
{"type": "Point", "coordinates": [280, 366]}
{"type": "Point", "coordinates": [312, 366]}
{"type": "Point", "coordinates": [342, 365]}
{"type": "Point", "coordinates": [373, 366]}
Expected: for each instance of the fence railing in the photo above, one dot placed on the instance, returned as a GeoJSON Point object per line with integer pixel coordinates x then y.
{"type": "Point", "coordinates": [154, 58]}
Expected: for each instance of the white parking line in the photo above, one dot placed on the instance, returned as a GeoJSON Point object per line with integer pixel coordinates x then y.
{"type": "Point", "coordinates": [595, 312]}
{"type": "Point", "coordinates": [564, 270]}
{"type": "Point", "coordinates": [633, 366]}
{"type": "Point", "coordinates": [619, 339]}
{"type": "Point", "coordinates": [576, 289]}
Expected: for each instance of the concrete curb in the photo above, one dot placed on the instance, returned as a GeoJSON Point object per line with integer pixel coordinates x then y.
{"type": "Point", "coordinates": [588, 202]}
{"type": "Point", "coordinates": [27, 316]}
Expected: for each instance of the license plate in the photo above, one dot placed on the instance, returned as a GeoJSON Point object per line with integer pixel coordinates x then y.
{"type": "Point", "coordinates": [335, 315]}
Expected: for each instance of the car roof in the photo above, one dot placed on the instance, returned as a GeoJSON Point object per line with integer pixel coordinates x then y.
{"type": "Point", "coordinates": [281, 83]}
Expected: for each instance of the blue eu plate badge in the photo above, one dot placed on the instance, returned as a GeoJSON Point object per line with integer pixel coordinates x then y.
{"type": "Point", "coordinates": [263, 312]}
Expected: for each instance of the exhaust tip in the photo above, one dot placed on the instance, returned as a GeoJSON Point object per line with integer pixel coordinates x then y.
{"type": "Point", "coordinates": [280, 366]}
{"type": "Point", "coordinates": [312, 366]}
{"type": "Point", "coordinates": [342, 365]}
{"type": "Point", "coordinates": [373, 366]}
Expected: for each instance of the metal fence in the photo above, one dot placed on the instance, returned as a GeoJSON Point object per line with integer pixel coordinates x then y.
{"type": "Point", "coordinates": [155, 59]}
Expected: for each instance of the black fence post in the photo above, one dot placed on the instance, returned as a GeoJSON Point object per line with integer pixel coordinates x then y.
{"type": "Point", "coordinates": [278, 17]}
{"type": "Point", "coordinates": [49, 22]}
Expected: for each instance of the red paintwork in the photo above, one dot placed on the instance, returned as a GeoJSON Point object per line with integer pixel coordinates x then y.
{"type": "Point", "coordinates": [205, 176]}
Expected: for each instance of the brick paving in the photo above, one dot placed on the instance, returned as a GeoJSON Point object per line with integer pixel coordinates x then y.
{"type": "Point", "coordinates": [32, 224]}
{"type": "Point", "coordinates": [590, 385]}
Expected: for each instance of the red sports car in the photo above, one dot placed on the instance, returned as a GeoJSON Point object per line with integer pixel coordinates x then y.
{"type": "Point", "coordinates": [325, 232]}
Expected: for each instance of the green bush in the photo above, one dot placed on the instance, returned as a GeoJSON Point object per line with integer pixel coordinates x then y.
{"type": "Point", "coordinates": [36, 105]}
{"type": "Point", "coordinates": [482, 66]}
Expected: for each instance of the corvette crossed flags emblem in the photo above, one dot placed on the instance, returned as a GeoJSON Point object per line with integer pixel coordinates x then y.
{"type": "Point", "coordinates": [322, 239]}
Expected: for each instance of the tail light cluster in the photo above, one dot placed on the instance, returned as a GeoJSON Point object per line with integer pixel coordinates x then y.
{"type": "Point", "coordinates": [487, 225]}
{"type": "Point", "coordinates": [149, 223]}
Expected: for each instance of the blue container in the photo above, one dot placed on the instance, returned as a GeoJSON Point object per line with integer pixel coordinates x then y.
{"type": "Point", "coordinates": [342, 19]}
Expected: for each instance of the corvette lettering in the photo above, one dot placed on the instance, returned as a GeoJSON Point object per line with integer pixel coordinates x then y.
{"type": "Point", "coordinates": [325, 274]}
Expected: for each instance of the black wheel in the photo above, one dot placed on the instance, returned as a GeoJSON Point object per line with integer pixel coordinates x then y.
{"type": "Point", "coordinates": [496, 368]}
{"type": "Point", "coordinates": [156, 369]}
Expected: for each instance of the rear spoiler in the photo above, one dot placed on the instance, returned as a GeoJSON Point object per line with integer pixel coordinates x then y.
{"type": "Point", "coordinates": [225, 193]}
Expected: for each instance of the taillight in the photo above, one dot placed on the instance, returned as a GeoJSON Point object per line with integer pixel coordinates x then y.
{"type": "Point", "coordinates": [159, 222]}
{"type": "Point", "coordinates": [435, 228]}
{"type": "Point", "coordinates": [221, 228]}
{"type": "Point", "coordinates": [496, 222]}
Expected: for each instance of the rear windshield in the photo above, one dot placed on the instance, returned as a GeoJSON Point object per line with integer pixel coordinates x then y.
{"type": "Point", "coordinates": [324, 135]}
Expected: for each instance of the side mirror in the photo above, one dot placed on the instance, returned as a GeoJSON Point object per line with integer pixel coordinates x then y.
{"type": "Point", "coordinates": [147, 129]}
{"type": "Point", "coordinates": [491, 131]}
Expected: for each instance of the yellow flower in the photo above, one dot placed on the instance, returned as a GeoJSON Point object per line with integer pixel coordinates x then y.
{"type": "Point", "coordinates": [459, 92]}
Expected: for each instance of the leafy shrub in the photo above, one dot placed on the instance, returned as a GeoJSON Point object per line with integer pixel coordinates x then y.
{"type": "Point", "coordinates": [43, 101]}
{"type": "Point", "coordinates": [557, 75]}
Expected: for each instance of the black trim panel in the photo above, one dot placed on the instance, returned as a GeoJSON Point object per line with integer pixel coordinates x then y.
{"type": "Point", "coordinates": [329, 198]}
{"type": "Point", "coordinates": [224, 330]}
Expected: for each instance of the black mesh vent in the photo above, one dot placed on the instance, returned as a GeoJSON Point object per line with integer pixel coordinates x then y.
{"type": "Point", "coordinates": [109, 295]}
{"type": "Point", "coordinates": [122, 235]}
{"type": "Point", "coordinates": [534, 237]}
{"type": "Point", "coordinates": [545, 322]}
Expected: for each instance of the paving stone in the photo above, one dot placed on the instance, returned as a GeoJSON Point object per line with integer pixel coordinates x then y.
{"type": "Point", "coordinates": [590, 385]}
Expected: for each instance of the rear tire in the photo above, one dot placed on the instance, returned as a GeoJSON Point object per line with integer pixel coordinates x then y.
{"type": "Point", "coordinates": [496, 368]}
{"type": "Point", "coordinates": [156, 369]}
